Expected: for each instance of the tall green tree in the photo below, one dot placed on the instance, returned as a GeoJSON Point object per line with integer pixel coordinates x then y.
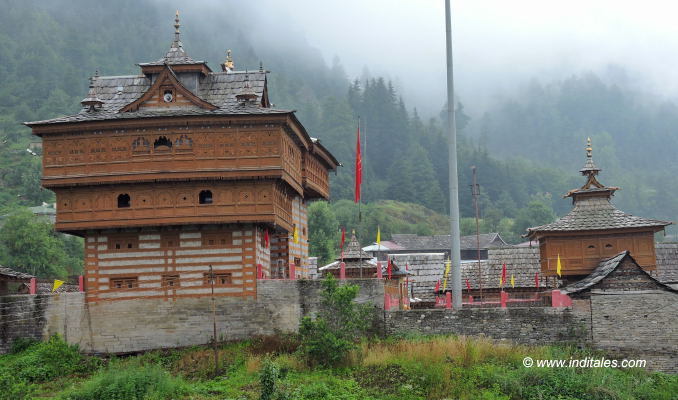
{"type": "Point", "coordinates": [323, 230]}
{"type": "Point", "coordinates": [30, 244]}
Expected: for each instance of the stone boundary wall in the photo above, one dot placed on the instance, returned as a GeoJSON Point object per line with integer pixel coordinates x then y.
{"type": "Point", "coordinates": [631, 324]}
{"type": "Point", "coordinates": [144, 324]}
{"type": "Point", "coordinates": [529, 325]}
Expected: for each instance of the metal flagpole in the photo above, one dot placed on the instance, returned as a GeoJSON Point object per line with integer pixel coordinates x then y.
{"type": "Point", "coordinates": [454, 181]}
{"type": "Point", "coordinates": [475, 192]}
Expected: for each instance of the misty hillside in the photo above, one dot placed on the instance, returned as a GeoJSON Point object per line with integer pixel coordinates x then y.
{"type": "Point", "coordinates": [527, 147]}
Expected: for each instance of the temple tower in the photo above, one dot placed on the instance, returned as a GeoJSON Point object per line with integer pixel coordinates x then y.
{"type": "Point", "coordinates": [180, 168]}
{"type": "Point", "coordinates": [593, 230]}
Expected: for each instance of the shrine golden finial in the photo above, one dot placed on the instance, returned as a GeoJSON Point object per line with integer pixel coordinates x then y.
{"type": "Point", "coordinates": [229, 60]}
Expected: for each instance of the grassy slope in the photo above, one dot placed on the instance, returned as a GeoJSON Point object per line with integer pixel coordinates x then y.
{"type": "Point", "coordinates": [414, 368]}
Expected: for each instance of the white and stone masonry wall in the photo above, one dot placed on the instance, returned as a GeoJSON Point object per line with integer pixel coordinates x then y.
{"type": "Point", "coordinates": [171, 263]}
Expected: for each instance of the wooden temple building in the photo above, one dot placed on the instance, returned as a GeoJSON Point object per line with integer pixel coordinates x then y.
{"type": "Point", "coordinates": [594, 230]}
{"type": "Point", "coordinates": [180, 169]}
{"type": "Point", "coordinates": [357, 263]}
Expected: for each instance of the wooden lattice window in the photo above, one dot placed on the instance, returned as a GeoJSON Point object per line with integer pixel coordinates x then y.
{"type": "Point", "coordinates": [123, 243]}
{"type": "Point", "coordinates": [170, 281]}
{"type": "Point", "coordinates": [125, 283]}
{"type": "Point", "coordinates": [220, 278]}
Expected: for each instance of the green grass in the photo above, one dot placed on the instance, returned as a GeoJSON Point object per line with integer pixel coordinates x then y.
{"type": "Point", "coordinates": [413, 368]}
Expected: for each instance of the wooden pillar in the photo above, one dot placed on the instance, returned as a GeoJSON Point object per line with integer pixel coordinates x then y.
{"type": "Point", "coordinates": [81, 283]}
{"type": "Point", "coordinates": [33, 288]}
{"type": "Point", "coordinates": [448, 300]}
{"type": "Point", "coordinates": [503, 298]}
{"type": "Point", "coordinates": [342, 270]}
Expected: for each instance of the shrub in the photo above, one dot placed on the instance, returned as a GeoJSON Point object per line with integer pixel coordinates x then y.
{"type": "Point", "coordinates": [328, 339]}
{"type": "Point", "coordinates": [21, 344]}
{"type": "Point", "coordinates": [129, 383]}
{"type": "Point", "coordinates": [54, 358]}
{"type": "Point", "coordinates": [268, 379]}
{"type": "Point", "coordinates": [12, 388]}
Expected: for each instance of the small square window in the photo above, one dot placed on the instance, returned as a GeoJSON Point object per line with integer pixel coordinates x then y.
{"type": "Point", "coordinates": [125, 283]}
{"type": "Point", "coordinates": [170, 281]}
{"type": "Point", "coordinates": [220, 279]}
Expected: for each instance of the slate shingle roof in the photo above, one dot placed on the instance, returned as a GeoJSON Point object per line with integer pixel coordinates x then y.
{"type": "Point", "coordinates": [352, 251]}
{"type": "Point", "coordinates": [219, 88]}
{"type": "Point", "coordinates": [443, 242]}
{"type": "Point", "coordinates": [596, 213]}
{"type": "Point", "coordinates": [522, 262]}
{"type": "Point", "coordinates": [602, 270]}
{"type": "Point", "coordinates": [667, 262]}
{"type": "Point", "coordinates": [12, 274]}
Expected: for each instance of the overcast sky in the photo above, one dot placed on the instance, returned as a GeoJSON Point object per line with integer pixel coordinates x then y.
{"type": "Point", "coordinates": [498, 44]}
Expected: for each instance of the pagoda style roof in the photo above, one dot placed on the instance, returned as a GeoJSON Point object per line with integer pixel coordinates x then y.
{"type": "Point", "coordinates": [593, 209]}
{"type": "Point", "coordinates": [226, 92]}
{"type": "Point", "coordinates": [217, 88]}
{"type": "Point", "coordinates": [353, 251]}
{"type": "Point", "coordinates": [596, 213]}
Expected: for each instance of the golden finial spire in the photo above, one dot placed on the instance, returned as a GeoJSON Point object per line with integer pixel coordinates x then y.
{"type": "Point", "coordinates": [229, 59]}
{"type": "Point", "coordinates": [176, 27]}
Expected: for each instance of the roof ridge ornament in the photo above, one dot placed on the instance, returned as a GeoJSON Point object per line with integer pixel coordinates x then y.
{"type": "Point", "coordinates": [228, 65]}
{"type": "Point", "coordinates": [92, 101]}
{"type": "Point", "coordinates": [247, 93]}
{"type": "Point", "coordinates": [177, 32]}
{"type": "Point", "coordinates": [589, 167]}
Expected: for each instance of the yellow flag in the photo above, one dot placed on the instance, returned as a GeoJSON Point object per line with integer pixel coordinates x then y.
{"type": "Point", "coordinates": [448, 264]}
{"type": "Point", "coordinates": [378, 237]}
{"type": "Point", "coordinates": [558, 266]}
{"type": "Point", "coordinates": [56, 285]}
{"type": "Point", "coordinates": [513, 281]}
{"type": "Point", "coordinates": [295, 236]}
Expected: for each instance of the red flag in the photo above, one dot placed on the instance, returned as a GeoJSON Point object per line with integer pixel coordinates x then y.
{"type": "Point", "coordinates": [468, 285]}
{"type": "Point", "coordinates": [343, 238]}
{"type": "Point", "coordinates": [267, 240]}
{"type": "Point", "coordinates": [358, 167]}
{"type": "Point", "coordinates": [388, 269]}
{"type": "Point", "coordinates": [536, 279]}
{"type": "Point", "coordinates": [437, 289]}
{"type": "Point", "coordinates": [503, 274]}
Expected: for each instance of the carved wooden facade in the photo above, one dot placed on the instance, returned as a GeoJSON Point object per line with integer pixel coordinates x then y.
{"type": "Point", "coordinates": [178, 169]}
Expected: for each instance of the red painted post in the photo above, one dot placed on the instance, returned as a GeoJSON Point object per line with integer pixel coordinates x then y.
{"type": "Point", "coordinates": [259, 268]}
{"type": "Point", "coordinates": [504, 298]}
{"type": "Point", "coordinates": [81, 283]}
{"type": "Point", "coordinates": [470, 299]}
{"type": "Point", "coordinates": [33, 288]}
{"type": "Point", "coordinates": [378, 269]}
{"type": "Point", "coordinates": [448, 300]}
{"type": "Point", "coordinates": [387, 302]}
{"type": "Point", "coordinates": [342, 270]}
{"type": "Point", "coordinates": [293, 271]}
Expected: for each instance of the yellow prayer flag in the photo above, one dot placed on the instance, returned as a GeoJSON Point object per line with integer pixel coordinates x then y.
{"type": "Point", "coordinates": [295, 236]}
{"type": "Point", "coordinates": [378, 237]}
{"type": "Point", "coordinates": [448, 264]}
{"type": "Point", "coordinates": [513, 281]}
{"type": "Point", "coordinates": [56, 285]}
{"type": "Point", "coordinates": [558, 266]}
